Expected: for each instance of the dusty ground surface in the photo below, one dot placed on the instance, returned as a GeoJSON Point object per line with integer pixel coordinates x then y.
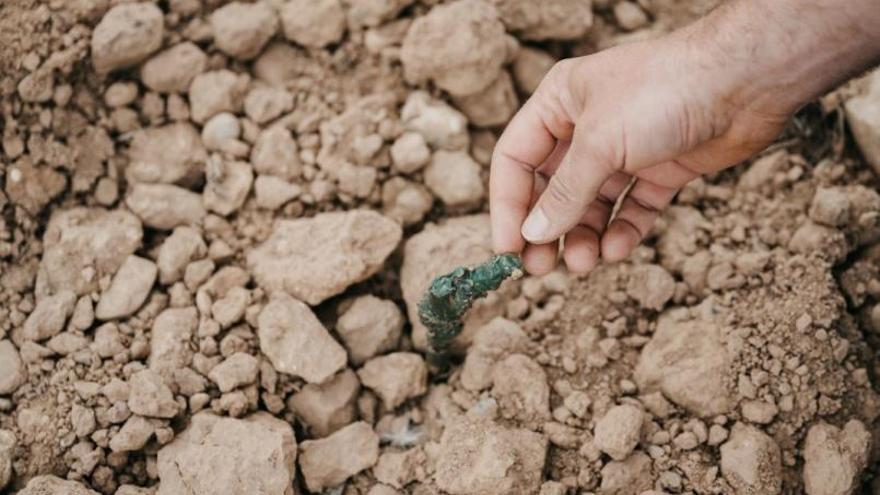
{"type": "Point", "coordinates": [217, 220]}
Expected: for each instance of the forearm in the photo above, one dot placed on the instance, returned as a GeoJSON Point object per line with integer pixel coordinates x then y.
{"type": "Point", "coordinates": [779, 54]}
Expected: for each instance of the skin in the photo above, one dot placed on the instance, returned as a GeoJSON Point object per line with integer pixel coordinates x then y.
{"type": "Point", "coordinates": [644, 119]}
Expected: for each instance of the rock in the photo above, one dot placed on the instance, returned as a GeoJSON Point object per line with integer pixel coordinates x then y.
{"type": "Point", "coordinates": [651, 285]}
{"type": "Point", "coordinates": [216, 91]}
{"type": "Point", "coordinates": [440, 125]}
{"type": "Point", "coordinates": [328, 462]}
{"type": "Point", "coordinates": [628, 477]}
{"type": "Point", "coordinates": [38, 86]}
{"type": "Point", "coordinates": [241, 30]}
{"type": "Point", "coordinates": [492, 342]}
{"type": "Point", "coordinates": [108, 342]}
{"type": "Point", "coordinates": [227, 186]}
{"type": "Point", "coordinates": [396, 377]}
{"type": "Point", "coordinates": [464, 67]}
{"type": "Point", "coordinates": [265, 103]}
{"type": "Point", "coordinates": [834, 458]}
{"type": "Point", "coordinates": [405, 201]}
{"type": "Point", "coordinates": [48, 317]}
{"type": "Point", "coordinates": [313, 23]}
{"type": "Point", "coordinates": [67, 343]}
{"type": "Point", "coordinates": [399, 469]}
{"type": "Point", "coordinates": [32, 187]}
{"type": "Point", "coordinates": [82, 245]}
{"type": "Point", "coordinates": [126, 35]}
{"type": "Point", "coordinates": [830, 206]}
{"type": "Point", "coordinates": [185, 244]}
{"type": "Point", "coordinates": [164, 207]}
{"type": "Point", "coordinates": [150, 396]}
{"type": "Point", "coordinates": [455, 178]}
{"type": "Point", "coordinates": [316, 258]}
{"type": "Point", "coordinates": [52, 485]}
{"type": "Point", "coordinates": [759, 411]}
{"type": "Point", "coordinates": [547, 20]}
{"type": "Point", "coordinates": [437, 249]}
{"type": "Point", "coordinates": [217, 456]}
{"type": "Point", "coordinates": [327, 407]}
{"type": "Point", "coordinates": [520, 386]}
{"type": "Point", "coordinates": [827, 242]}
{"type": "Point", "coordinates": [529, 68]}
{"type": "Point", "coordinates": [8, 443]}
{"type": "Point", "coordinates": [478, 456]}
{"type": "Point", "coordinates": [129, 289]}
{"type": "Point", "coordinates": [630, 16]}
{"type": "Point", "coordinates": [370, 326]}
{"type": "Point", "coordinates": [170, 339]}
{"type": "Point", "coordinates": [274, 192]}
{"type": "Point", "coordinates": [133, 435]}
{"type": "Point", "coordinates": [221, 132]}
{"type": "Point", "coordinates": [687, 361]}
{"type": "Point", "coordinates": [410, 153]}
{"type": "Point", "coordinates": [169, 154]}
{"type": "Point", "coordinates": [493, 106]}
{"type": "Point", "coordinates": [618, 432]}
{"type": "Point", "coordinates": [172, 70]}
{"type": "Point", "coordinates": [296, 342]}
{"type": "Point", "coordinates": [275, 153]}
{"type": "Point", "coordinates": [12, 372]}
{"type": "Point", "coordinates": [230, 309]}
{"type": "Point", "coordinates": [751, 461]}
{"type": "Point", "coordinates": [235, 371]}
{"type": "Point", "coordinates": [863, 115]}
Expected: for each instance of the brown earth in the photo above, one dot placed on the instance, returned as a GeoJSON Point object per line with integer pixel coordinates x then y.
{"type": "Point", "coordinates": [216, 219]}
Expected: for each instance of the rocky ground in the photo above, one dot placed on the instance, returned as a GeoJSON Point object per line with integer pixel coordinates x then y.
{"type": "Point", "coordinates": [218, 218]}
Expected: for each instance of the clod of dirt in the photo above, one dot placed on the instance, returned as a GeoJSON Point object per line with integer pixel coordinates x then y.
{"type": "Point", "coordinates": [33, 187]}
{"type": "Point", "coordinates": [399, 469]}
{"type": "Point", "coordinates": [479, 456]}
{"type": "Point", "coordinates": [215, 455]}
{"type": "Point", "coordinates": [436, 250]}
{"type": "Point", "coordinates": [241, 30]}
{"type": "Point", "coordinates": [327, 407]}
{"type": "Point", "coordinates": [133, 435]}
{"type": "Point", "coordinates": [164, 207]}
{"type": "Point", "coordinates": [126, 35]}
{"type": "Point", "coordinates": [372, 13]}
{"type": "Point", "coordinates": [328, 462]}
{"type": "Point", "coordinates": [316, 258]}
{"type": "Point", "coordinates": [184, 245]}
{"type": "Point", "coordinates": [547, 20]}
{"type": "Point", "coordinates": [630, 16]}
{"type": "Point", "coordinates": [12, 370]}
{"type": "Point", "coordinates": [172, 70]}
{"type": "Point", "coordinates": [235, 371]}
{"type": "Point", "coordinates": [82, 245]}
{"type": "Point", "coordinates": [410, 153]}
{"type": "Point", "coordinates": [53, 485]}
{"type": "Point", "coordinates": [619, 430]}
{"type": "Point", "coordinates": [296, 342]}
{"type": "Point", "coordinates": [228, 185]}
{"type": "Point", "coordinates": [651, 285]}
{"type": "Point", "coordinates": [454, 177]}
{"type": "Point", "coordinates": [170, 338]}
{"type": "Point", "coordinates": [406, 201]}
{"type": "Point", "coordinates": [441, 126]}
{"type": "Point", "coordinates": [491, 342]}
{"type": "Point", "coordinates": [863, 115]}
{"type": "Point", "coordinates": [274, 192]}
{"type": "Point", "coordinates": [751, 461]}
{"type": "Point", "coordinates": [630, 476]}
{"type": "Point", "coordinates": [48, 317]}
{"type": "Point", "coordinates": [369, 326]}
{"type": "Point", "coordinates": [529, 68]}
{"type": "Point", "coordinates": [128, 290]}
{"type": "Point", "coordinates": [7, 449]}
{"type": "Point", "coordinates": [263, 104]}
{"type": "Point", "coordinates": [395, 377]}
{"type": "Point", "coordinates": [519, 384]}
{"type": "Point", "coordinates": [275, 153]}
{"type": "Point", "coordinates": [687, 361]}
{"type": "Point", "coordinates": [492, 106]}
{"type": "Point", "coordinates": [313, 23]}
{"type": "Point", "coordinates": [835, 457]}
{"type": "Point", "coordinates": [216, 91]}
{"type": "Point", "coordinates": [460, 46]}
{"type": "Point", "coordinates": [150, 396]}
{"type": "Point", "coordinates": [168, 154]}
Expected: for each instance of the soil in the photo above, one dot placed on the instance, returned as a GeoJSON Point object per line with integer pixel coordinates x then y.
{"type": "Point", "coordinates": [216, 221]}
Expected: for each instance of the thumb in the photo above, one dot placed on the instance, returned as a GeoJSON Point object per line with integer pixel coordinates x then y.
{"type": "Point", "coordinates": [571, 189]}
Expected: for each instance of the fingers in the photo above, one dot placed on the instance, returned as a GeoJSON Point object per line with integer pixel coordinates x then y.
{"type": "Point", "coordinates": [526, 143]}
{"type": "Point", "coordinates": [571, 189]}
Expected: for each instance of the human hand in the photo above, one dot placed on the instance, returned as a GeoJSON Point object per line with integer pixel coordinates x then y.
{"type": "Point", "coordinates": [654, 115]}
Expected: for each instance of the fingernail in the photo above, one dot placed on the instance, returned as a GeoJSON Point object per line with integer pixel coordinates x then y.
{"type": "Point", "coordinates": [535, 226]}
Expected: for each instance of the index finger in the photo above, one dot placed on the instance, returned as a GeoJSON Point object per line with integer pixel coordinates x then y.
{"type": "Point", "coordinates": [525, 144]}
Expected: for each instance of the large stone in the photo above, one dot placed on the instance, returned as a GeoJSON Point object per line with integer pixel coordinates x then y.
{"type": "Point", "coordinates": [296, 342]}
{"type": "Point", "coordinates": [329, 406]}
{"type": "Point", "coordinates": [687, 361]}
{"type": "Point", "coordinates": [12, 371]}
{"type": "Point", "coordinates": [168, 154]}
{"type": "Point", "coordinates": [82, 245]}
{"type": "Point", "coordinates": [218, 456]}
{"type": "Point", "coordinates": [481, 457]}
{"type": "Point", "coordinates": [328, 462]}
{"type": "Point", "coordinates": [751, 461]}
{"type": "Point", "coordinates": [863, 115]}
{"type": "Point", "coordinates": [52, 485]}
{"type": "Point", "coordinates": [126, 35]}
{"type": "Point", "coordinates": [462, 241]}
{"type": "Point", "coordinates": [834, 458]}
{"type": "Point", "coordinates": [460, 46]}
{"type": "Point", "coordinates": [128, 290]}
{"type": "Point", "coordinates": [316, 258]}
